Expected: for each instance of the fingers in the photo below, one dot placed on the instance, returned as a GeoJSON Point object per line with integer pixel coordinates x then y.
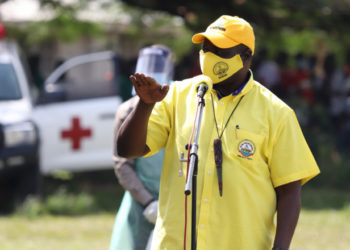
{"type": "Point", "coordinates": [134, 81]}
{"type": "Point", "coordinates": [164, 89]}
{"type": "Point", "coordinates": [143, 80]}
{"type": "Point", "coordinates": [151, 80]}
{"type": "Point", "coordinates": [148, 89]}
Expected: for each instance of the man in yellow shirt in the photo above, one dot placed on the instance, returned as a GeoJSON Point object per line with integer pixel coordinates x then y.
{"type": "Point", "coordinates": [265, 158]}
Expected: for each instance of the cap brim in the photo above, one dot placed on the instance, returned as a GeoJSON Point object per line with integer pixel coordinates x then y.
{"type": "Point", "coordinates": [219, 40]}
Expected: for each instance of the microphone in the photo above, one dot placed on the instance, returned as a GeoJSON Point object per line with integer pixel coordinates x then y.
{"type": "Point", "coordinates": [202, 89]}
{"type": "Point", "coordinates": [203, 86]}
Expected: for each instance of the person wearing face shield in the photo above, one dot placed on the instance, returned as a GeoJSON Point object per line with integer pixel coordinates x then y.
{"type": "Point", "coordinates": [264, 157]}
{"type": "Point", "coordinates": [140, 177]}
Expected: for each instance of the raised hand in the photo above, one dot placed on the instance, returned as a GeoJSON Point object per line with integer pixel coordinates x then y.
{"type": "Point", "coordinates": [148, 89]}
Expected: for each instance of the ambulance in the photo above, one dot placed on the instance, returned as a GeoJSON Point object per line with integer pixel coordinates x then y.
{"type": "Point", "coordinates": [75, 114]}
{"type": "Point", "coordinates": [68, 126]}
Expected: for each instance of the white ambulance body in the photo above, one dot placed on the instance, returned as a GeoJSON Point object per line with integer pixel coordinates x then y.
{"type": "Point", "coordinates": [75, 114]}
{"type": "Point", "coordinates": [19, 140]}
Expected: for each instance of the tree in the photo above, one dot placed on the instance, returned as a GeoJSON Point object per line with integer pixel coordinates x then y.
{"type": "Point", "coordinates": [323, 14]}
{"type": "Point", "coordinates": [278, 23]}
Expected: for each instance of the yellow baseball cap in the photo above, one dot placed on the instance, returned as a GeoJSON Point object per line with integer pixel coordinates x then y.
{"type": "Point", "coordinates": [228, 31]}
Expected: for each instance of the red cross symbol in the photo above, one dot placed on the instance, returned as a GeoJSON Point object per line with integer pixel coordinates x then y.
{"type": "Point", "coordinates": [76, 133]}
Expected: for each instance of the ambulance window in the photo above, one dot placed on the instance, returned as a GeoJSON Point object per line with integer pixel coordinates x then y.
{"type": "Point", "coordinates": [9, 87]}
{"type": "Point", "coordinates": [90, 80]}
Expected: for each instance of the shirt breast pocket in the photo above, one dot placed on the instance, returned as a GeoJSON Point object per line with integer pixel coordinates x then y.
{"type": "Point", "coordinates": [246, 147]}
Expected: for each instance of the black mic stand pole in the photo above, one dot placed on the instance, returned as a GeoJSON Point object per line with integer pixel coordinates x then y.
{"type": "Point", "coordinates": [192, 174]}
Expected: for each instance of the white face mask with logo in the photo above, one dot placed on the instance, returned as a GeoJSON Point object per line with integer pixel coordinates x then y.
{"type": "Point", "coordinates": [218, 68]}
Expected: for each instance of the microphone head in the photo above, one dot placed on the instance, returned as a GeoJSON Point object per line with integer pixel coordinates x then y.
{"type": "Point", "coordinates": [205, 79]}
{"type": "Point", "coordinates": [204, 85]}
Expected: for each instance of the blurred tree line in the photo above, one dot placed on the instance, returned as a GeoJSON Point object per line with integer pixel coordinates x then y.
{"type": "Point", "coordinates": [298, 26]}
{"type": "Point", "coordinates": [279, 24]}
{"type": "Point", "coordinates": [293, 26]}
{"type": "Point", "coordinates": [67, 23]}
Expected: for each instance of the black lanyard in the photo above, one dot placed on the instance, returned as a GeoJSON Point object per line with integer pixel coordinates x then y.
{"type": "Point", "coordinates": [216, 123]}
{"type": "Point", "coordinates": [218, 143]}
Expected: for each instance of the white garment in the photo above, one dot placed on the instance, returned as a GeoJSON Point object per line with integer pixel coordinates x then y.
{"type": "Point", "coordinates": [149, 243]}
{"type": "Point", "coordinates": [268, 73]}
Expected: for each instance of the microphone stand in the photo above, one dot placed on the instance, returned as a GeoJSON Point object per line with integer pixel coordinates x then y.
{"type": "Point", "coordinates": [192, 173]}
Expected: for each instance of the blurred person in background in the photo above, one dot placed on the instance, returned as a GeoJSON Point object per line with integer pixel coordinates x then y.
{"type": "Point", "coordinates": [285, 74]}
{"type": "Point", "coordinates": [339, 91]}
{"type": "Point", "coordinates": [329, 69]}
{"type": "Point", "coordinates": [302, 78]}
{"type": "Point", "coordinates": [34, 66]}
{"type": "Point", "coordinates": [340, 106]}
{"type": "Point", "coordinates": [268, 72]}
{"type": "Point", "coordinates": [140, 177]}
{"type": "Point", "coordinates": [297, 87]}
{"type": "Point", "coordinates": [265, 158]}
{"type": "Point", "coordinates": [323, 72]}
{"type": "Point", "coordinates": [126, 67]}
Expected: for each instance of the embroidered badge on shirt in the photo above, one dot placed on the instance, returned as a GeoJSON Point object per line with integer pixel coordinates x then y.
{"type": "Point", "coordinates": [246, 149]}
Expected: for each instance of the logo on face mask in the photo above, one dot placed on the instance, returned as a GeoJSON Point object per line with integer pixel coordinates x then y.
{"type": "Point", "coordinates": [218, 68]}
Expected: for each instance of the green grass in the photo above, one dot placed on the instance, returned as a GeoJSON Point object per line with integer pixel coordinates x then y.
{"type": "Point", "coordinates": [323, 230]}
{"type": "Point", "coordinates": [317, 230]}
{"type": "Point", "coordinates": [79, 213]}
{"type": "Point", "coordinates": [101, 186]}
{"type": "Point", "coordinates": [89, 232]}
{"type": "Point", "coordinates": [324, 222]}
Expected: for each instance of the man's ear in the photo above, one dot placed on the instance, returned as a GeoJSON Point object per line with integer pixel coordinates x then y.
{"type": "Point", "coordinates": [246, 55]}
{"type": "Point", "coordinates": [246, 59]}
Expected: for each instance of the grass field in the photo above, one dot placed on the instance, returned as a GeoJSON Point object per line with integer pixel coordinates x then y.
{"type": "Point", "coordinates": [317, 230]}
{"type": "Point", "coordinates": [324, 222]}
{"type": "Point", "coordinates": [90, 232]}
{"type": "Point", "coordinates": [323, 230]}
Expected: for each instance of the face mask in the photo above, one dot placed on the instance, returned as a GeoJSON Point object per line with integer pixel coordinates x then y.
{"type": "Point", "coordinates": [218, 68]}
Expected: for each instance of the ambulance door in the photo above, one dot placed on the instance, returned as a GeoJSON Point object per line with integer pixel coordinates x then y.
{"type": "Point", "coordinates": [75, 114]}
